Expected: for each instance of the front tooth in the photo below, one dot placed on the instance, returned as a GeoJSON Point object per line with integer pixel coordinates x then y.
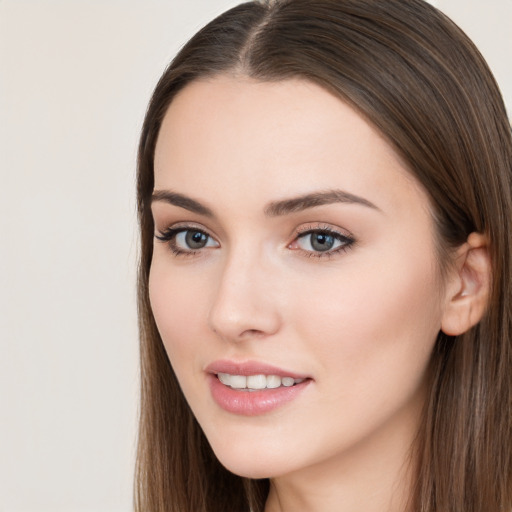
{"type": "Point", "coordinates": [238, 381]}
{"type": "Point", "coordinates": [257, 382]}
{"type": "Point", "coordinates": [273, 381]}
{"type": "Point", "coordinates": [287, 381]}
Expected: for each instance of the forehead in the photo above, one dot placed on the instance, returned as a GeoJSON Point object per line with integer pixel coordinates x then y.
{"type": "Point", "coordinates": [272, 139]}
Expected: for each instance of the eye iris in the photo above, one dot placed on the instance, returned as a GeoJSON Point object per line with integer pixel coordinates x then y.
{"type": "Point", "coordinates": [322, 242]}
{"type": "Point", "coordinates": [196, 239]}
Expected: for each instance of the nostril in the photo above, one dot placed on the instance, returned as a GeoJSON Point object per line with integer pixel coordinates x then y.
{"type": "Point", "coordinates": [253, 333]}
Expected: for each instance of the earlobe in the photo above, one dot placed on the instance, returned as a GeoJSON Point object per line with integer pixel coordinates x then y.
{"type": "Point", "coordinates": [468, 290]}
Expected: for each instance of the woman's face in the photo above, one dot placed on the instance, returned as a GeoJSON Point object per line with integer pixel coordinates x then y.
{"type": "Point", "coordinates": [292, 246]}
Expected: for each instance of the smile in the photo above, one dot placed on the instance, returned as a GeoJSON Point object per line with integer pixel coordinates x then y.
{"type": "Point", "coordinates": [251, 388]}
{"type": "Point", "coordinates": [256, 382]}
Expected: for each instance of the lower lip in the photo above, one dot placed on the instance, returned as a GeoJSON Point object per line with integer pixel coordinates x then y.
{"type": "Point", "coordinates": [253, 403]}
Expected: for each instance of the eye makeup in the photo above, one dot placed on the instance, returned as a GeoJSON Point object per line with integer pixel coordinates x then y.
{"type": "Point", "coordinates": [186, 241]}
{"type": "Point", "coordinates": [313, 240]}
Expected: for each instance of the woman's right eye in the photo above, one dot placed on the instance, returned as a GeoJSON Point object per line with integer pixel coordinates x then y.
{"type": "Point", "coordinates": [186, 240]}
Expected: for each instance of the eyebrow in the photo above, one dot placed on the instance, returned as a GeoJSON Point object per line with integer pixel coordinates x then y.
{"type": "Point", "coordinates": [314, 199]}
{"type": "Point", "coordinates": [181, 201]}
{"type": "Point", "coordinates": [273, 209]}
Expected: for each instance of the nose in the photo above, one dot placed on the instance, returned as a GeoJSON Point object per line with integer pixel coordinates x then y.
{"type": "Point", "coordinates": [244, 304]}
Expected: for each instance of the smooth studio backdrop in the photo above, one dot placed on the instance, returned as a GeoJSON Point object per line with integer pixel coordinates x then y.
{"type": "Point", "coordinates": [75, 78]}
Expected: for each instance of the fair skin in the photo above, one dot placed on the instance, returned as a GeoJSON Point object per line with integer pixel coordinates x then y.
{"type": "Point", "coordinates": [346, 293]}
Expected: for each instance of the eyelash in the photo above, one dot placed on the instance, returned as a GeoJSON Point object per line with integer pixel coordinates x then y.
{"type": "Point", "coordinates": [169, 236]}
{"type": "Point", "coordinates": [347, 241]}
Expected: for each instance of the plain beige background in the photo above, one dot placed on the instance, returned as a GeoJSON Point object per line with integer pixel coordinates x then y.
{"type": "Point", "coordinates": [75, 77]}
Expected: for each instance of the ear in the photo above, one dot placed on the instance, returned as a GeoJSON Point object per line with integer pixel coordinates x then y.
{"type": "Point", "coordinates": [467, 290]}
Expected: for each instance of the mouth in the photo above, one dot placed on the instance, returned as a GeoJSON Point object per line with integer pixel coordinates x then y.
{"type": "Point", "coordinates": [256, 382]}
{"type": "Point", "coordinates": [253, 388]}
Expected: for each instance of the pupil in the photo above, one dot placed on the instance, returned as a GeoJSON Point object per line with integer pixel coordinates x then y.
{"type": "Point", "coordinates": [322, 242]}
{"type": "Point", "coordinates": [196, 239]}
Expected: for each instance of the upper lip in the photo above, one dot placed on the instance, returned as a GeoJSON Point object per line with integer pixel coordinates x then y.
{"type": "Point", "coordinates": [250, 368]}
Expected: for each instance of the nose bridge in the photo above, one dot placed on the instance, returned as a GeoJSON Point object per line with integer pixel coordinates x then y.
{"type": "Point", "coordinates": [243, 305]}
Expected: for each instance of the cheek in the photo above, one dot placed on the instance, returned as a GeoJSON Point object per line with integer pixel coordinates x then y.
{"type": "Point", "coordinates": [378, 323]}
{"type": "Point", "coordinates": [178, 307]}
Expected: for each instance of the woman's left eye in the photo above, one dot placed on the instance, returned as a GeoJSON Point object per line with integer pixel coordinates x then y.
{"type": "Point", "coordinates": [320, 241]}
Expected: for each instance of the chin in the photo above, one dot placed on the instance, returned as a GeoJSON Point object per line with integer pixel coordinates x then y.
{"type": "Point", "coordinates": [248, 469]}
{"type": "Point", "coordinates": [255, 463]}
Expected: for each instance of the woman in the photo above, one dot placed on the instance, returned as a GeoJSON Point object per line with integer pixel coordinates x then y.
{"type": "Point", "coordinates": [324, 197]}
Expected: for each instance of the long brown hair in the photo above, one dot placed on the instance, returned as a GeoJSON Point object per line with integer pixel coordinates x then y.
{"type": "Point", "coordinates": [417, 77]}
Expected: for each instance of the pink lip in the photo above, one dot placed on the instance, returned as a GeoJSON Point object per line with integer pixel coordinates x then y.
{"type": "Point", "coordinates": [252, 403]}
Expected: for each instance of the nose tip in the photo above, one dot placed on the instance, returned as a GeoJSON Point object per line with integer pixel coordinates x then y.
{"type": "Point", "coordinates": [240, 324]}
{"type": "Point", "coordinates": [244, 307]}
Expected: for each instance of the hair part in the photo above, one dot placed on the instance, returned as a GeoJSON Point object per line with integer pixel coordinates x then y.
{"type": "Point", "coordinates": [416, 77]}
